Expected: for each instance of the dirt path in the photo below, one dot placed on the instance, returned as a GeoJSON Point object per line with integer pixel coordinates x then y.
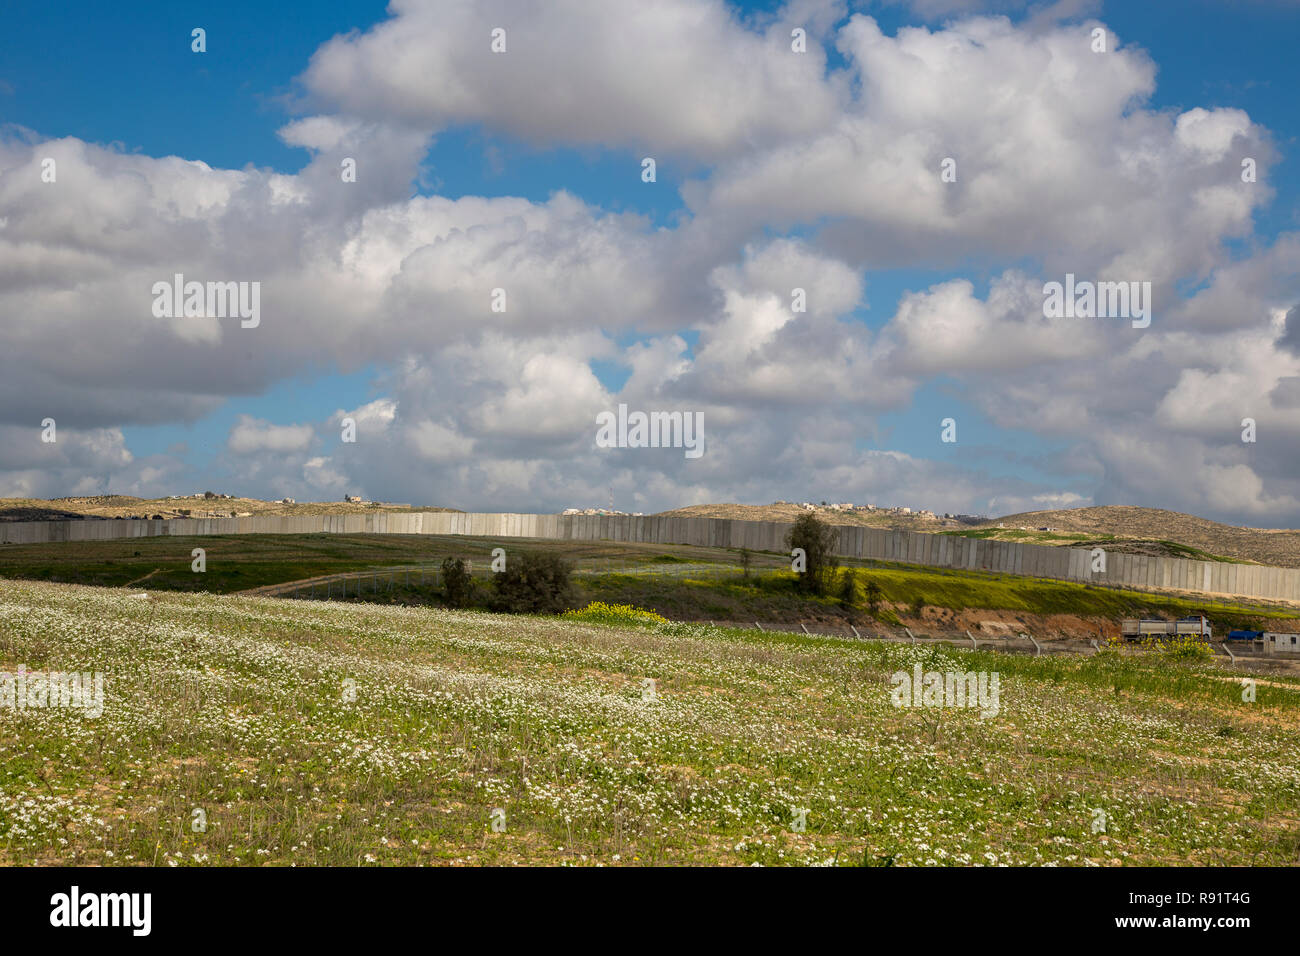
{"type": "Point", "coordinates": [145, 578]}
{"type": "Point", "coordinates": [284, 587]}
{"type": "Point", "coordinates": [379, 574]}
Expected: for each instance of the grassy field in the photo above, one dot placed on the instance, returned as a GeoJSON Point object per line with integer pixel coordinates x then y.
{"type": "Point", "coordinates": [314, 733]}
{"type": "Point", "coordinates": [243, 562]}
{"type": "Point", "coordinates": [678, 581]}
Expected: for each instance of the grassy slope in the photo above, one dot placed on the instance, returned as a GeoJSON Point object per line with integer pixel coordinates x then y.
{"type": "Point", "coordinates": [236, 706]}
{"type": "Point", "coordinates": [243, 562]}
{"type": "Point", "coordinates": [772, 594]}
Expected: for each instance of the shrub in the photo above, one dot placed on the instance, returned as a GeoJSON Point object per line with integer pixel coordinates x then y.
{"type": "Point", "coordinates": [1181, 649]}
{"type": "Point", "coordinates": [602, 613]}
{"type": "Point", "coordinates": [817, 539]}
{"type": "Point", "coordinates": [457, 582]}
{"type": "Point", "coordinates": [746, 560]}
{"type": "Point", "coordinates": [917, 606]}
{"type": "Point", "coordinates": [849, 594]}
{"type": "Point", "coordinates": [533, 583]}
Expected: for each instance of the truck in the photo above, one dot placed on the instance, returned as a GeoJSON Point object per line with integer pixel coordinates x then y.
{"type": "Point", "coordinates": [1194, 625]}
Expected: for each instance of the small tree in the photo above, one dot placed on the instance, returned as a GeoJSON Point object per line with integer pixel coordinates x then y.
{"type": "Point", "coordinates": [457, 582]}
{"type": "Point", "coordinates": [533, 583]}
{"type": "Point", "coordinates": [817, 539]}
{"type": "Point", "coordinates": [918, 605]}
{"type": "Point", "coordinates": [849, 594]}
{"type": "Point", "coordinates": [874, 597]}
{"type": "Point", "coordinates": [746, 559]}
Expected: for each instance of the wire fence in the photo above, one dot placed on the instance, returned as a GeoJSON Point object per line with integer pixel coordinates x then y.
{"type": "Point", "coordinates": [416, 580]}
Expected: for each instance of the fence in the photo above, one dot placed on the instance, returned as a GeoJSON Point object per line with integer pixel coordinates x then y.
{"type": "Point", "coordinates": [908, 547]}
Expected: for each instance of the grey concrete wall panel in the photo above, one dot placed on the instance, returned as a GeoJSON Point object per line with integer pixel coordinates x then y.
{"type": "Point", "coordinates": [1033, 561]}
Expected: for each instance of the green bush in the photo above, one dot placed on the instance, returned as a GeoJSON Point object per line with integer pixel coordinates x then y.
{"type": "Point", "coordinates": [874, 598]}
{"type": "Point", "coordinates": [533, 583]}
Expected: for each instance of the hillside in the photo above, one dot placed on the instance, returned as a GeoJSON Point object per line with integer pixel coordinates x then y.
{"type": "Point", "coordinates": [1280, 548]}
{"type": "Point", "coordinates": [787, 511]}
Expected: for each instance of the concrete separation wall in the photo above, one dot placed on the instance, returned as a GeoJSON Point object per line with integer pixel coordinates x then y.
{"type": "Point", "coordinates": [908, 547]}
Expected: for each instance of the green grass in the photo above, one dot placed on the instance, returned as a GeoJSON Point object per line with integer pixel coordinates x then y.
{"type": "Point", "coordinates": [960, 590]}
{"type": "Point", "coordinates": [243, 562]}
{"type": "Point", "coordinates": [1176, 550]}
{"type": "Point", "coordinates": [771, 596]}
{"type": "Point", "coordinates": [345, 734]}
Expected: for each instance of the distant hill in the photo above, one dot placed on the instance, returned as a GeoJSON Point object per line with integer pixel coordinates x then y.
{"type": "Point", "coordinates": [1280, 548]}
{"type": "Point", "coordinates": [786, 511]}
{"type": "Point", "coordinates": [126, 506]}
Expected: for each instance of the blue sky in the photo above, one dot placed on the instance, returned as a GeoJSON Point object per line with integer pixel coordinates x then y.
{"type": "Point", "coordinates": [125, 77]}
